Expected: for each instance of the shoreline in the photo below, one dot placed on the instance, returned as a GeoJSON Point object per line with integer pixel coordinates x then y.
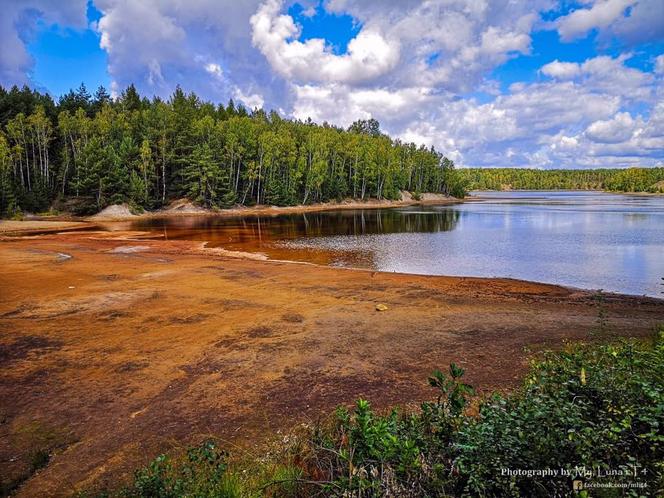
{"type": "Point", "coordinates": [199, 248]}
{"type": "Point", "coordinates": [118, 345]}
{"type": "Point", "coordinates": [38, 226]}
{"type": "Point", "coordinates": [68, 221]}
{"type": "Point", "coordinates": [10, 230]}
{"type": "Point", "coordinates": [241, 211]}
{"type": "Point", "coordinates": [618, 192]}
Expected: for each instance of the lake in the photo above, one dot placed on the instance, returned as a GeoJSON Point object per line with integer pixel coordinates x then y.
{"type": "Point", "coordinates": [590, 240]}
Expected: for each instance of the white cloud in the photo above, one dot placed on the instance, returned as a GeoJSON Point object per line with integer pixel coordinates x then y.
{"type": "Point", "coordinates": [495, 41]}
{"type": "Point", "coordinates": [633, 21]}
{"type": "Point", "coordinates": [562, 70]}
{"type": "Point", "coordinates": [423, 68]}
{"type": "Point", "coordinates": [605, 74]}
{"type": "Point", "coordinates": [600, 15]}
{"type": "Point", "coordinates": [369, 55]}
{"type": "Point", "coordinates": [659, 64]}
{"type": "Point", "coordinates": [615, 130]}
{"type": "Point", "coordinates": [203, 45]}
{"type": "Point", "coordinates": [17, 24]}
{"type": "Point", "coordinates": [252, 101]}
{"type": "Point", "coordinates": [645, 22]}
{"type": "Point", "coordinates": [214, 69]}
{"type": "Point", "coordinates": [342, 104]}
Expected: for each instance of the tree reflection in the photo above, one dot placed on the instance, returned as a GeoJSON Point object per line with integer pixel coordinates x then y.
{"type": "Point", "coordinates": [271, 228]}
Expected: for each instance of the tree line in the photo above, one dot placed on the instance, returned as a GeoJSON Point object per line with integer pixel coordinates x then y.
{"type": "Point", "coordinates": [616, 180]}
{"type": "Point", "coordinates": [88, 151]}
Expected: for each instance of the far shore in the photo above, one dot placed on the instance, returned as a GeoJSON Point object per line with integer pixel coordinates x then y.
{"type": "Point", "coordinates": [181, 208]}
{"type": "Point", "coordinates": [188, 209]}
{"type": "Point", "coordinates": [566, 190]}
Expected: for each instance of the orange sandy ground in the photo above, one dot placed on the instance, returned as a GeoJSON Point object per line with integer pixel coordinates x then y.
{"type": "Point", "coordinates": [110, 357]}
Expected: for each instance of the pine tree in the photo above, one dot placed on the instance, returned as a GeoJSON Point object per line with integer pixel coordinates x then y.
{"type": "Point", "coordinates": [201, 176]}
{"type": "Point", "coordinates": [8, 204]}
{"type": "Point", "coordinates": [130, 100]}
{"type": "Point", "coordinates": [101, 98]}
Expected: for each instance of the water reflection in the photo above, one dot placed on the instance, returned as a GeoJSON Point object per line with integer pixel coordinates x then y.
{"type": "Point", "coordinates": [321, 224]}
{"type": "Point", "coordinates": [581, 239]}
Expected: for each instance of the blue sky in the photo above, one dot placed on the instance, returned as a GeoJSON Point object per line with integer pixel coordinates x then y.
{"type": "Point", "coordinates": [337, 29]}
{"type": "Point", "coordinates": [66, 57]}
{"type": "Point", "coordinates": [509, 83]}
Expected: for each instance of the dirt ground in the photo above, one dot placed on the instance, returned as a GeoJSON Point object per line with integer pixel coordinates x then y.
{"type": "Point", "coordinates": [115, 348]}
{"type": "Point", "coordinates": [12, 226]}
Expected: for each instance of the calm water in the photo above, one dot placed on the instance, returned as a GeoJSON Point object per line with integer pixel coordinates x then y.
{"type": "Point", "coordinates": [581, 239]}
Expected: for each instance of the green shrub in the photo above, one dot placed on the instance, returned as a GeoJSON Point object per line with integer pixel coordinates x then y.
{"type": "Point", "coordinates": [600, 408]}
{"type": "Point", "coordinates": [202, 472]}
{"type": "Point", "coordinates": [586, 409]}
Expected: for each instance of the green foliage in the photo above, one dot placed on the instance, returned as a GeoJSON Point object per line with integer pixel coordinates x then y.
{"type": "Point", "coordinates": [585, 409]}
{"type": "Point", "coordinates": [202, 472]}
{"type": "Point", "coordinates": [617, 180]}
{"type": "Point", "coordinates": [600, 408]}
{"type": "Point", "coordinates": [39, 459]}
{"type": "Point", "coordinates": [110, 150]}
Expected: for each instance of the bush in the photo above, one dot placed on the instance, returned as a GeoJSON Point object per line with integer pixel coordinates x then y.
{"type": "Point", "coordinates": [202, 472]}
{"type": "Point", "coordinates": [587, 410]}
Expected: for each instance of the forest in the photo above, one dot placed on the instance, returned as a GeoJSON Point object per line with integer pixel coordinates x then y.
{"type": "Point", "coordinates": [86, 151]}
{"type": "Point", "coordinates": [615, 180]}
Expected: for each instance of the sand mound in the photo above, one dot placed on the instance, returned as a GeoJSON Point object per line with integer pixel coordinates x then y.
{"type": "Point", "coordinates": [184, 206]}
{"type": "Point", "coordinates": [114, 211]}
{"type": "Point", "coordinates": [429, 197]}
{"type": "Point", "coordinates": [424, 197]}
{"type": "Point", "coordinates": [406, 196]}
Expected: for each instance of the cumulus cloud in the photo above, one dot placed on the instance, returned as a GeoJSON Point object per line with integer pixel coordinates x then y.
{"type": "Point", "coordinates": [424, 69]}
{"type": "Point", "coordinates": [619, 141]}
{"type": "Point", "coordinates": [615, 130]}
{"type": "Point", "coordinates": [562, 70]}
{"type": "Point", "coordinates": [203, 45]}
{"type": "Point", "coordinates": [600, 15]}
{"type": "Point", "coordinates": [252, 101]}
{"type": "Point", "coordinates": [369, 54]}
{"type": "Point", "coordinates": [659, 64]}
{"type": "Point", "coordinates": [606, 75]}
{"type": "Point", "coordinates": [17, 25]}
{"type": "Point", "coordinates": [540, 123]}
{"type": "Point", "coordinates": [160, 39]}
{"type": "Point", "coordinates": [633, 21]}
{"type": "Point", "coordinates": [645, 22]}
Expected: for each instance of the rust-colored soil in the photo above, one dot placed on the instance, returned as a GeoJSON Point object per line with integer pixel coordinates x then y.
{"type": "Point", "coordinates": [113, 349]}
{"type": "Point", "coordinates": [42, 226]}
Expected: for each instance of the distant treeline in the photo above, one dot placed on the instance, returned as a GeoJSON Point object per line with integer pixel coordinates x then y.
{"type": "Point", "coordinates": [91, 150]}
{"type": "Point", "coordinates": [617, 180]}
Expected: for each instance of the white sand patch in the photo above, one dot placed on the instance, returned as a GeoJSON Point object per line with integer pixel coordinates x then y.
{"type": "Point", "coordinates": [129, 249]}
{"type": "Point", "coordinates": [113, 212]}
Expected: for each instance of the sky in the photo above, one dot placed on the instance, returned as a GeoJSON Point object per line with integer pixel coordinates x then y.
{"type": "Point", "coordinates": [489, 83]}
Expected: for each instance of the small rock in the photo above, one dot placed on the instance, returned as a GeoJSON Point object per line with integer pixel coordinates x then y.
{"type": "Point", "coordinates": [381, 307]}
